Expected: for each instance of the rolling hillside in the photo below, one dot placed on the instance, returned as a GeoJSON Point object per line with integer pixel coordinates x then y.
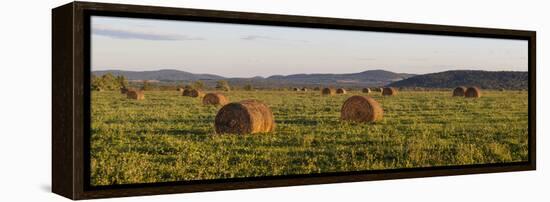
{"type": "Point", "coordinates": [160, 75]}
{"type": "Point", "coordinates": [483, 79]}
{"type": "Point", "coordinates": [361, 79]}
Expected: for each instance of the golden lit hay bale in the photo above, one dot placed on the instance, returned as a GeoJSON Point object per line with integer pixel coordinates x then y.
{"type": "Point", "coordinates": [180, 89]}
{"type": "Point", "coordinates": [389, 91]}
{"type": "Point", "coordinates": [341, 91]}
{"type": "Point", "coordinates": [135, 94]}
{"type": "Point", "coordinates": [123, 90]}
{"type": "Point", "coordinates": [459, 91]}
{"type": "Point", "coordinates": [360, 108]}
{"type": "Point", "coordinates": [304, 89]}
{"type": "Point", "coordinates": [473, 92]}
{"type": "Point", "coordinates": [248, 116]}
{"type": "Point", "coordinates": [296, 89]}
{"type": "Point", "coordinates": [328, 91]}
{"type": "Point", "coordinates": [366, 90]}
{"type": "Point", "coordinates": [214, 99]}
{"type": "Point", "coordinates": [192, 93]}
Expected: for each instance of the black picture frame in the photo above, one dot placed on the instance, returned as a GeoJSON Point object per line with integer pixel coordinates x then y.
{"type": "Point", "coordinates": [71, 98]}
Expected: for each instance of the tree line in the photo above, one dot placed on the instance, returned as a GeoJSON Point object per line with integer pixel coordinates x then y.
{"type": "Point", "coordinates": [110, 82]}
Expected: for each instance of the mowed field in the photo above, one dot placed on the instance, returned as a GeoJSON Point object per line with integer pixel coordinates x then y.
{"type": "Point", "coordinates": [168, 137]}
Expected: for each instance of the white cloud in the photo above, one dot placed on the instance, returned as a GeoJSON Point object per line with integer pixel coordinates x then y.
{"type": "Point", "coordinates": [143, 34]}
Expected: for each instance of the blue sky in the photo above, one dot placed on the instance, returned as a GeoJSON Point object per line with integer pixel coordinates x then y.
{"type": "Point", "coordinates": [235, 50]}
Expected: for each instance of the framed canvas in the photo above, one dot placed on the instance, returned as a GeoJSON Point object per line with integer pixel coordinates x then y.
{"type": "Point", "coordinates": [155, 100]}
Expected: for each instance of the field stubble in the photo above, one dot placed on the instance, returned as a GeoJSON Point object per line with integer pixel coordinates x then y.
{"type": "Point", "coordinates": [168, 137]}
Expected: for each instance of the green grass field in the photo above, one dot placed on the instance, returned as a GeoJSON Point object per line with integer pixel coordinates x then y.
{"type": "Point", "coordinates": [168, 137]}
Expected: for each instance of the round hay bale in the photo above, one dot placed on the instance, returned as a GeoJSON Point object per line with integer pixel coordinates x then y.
{"type": "Point", "coordinates": [180, 89]}
{"type": "Point", "coordinates": [366, 90]}
{"type": "Point", "coordinates": [296, 89]}
{"type": "Point", "coordinates": [244, 117]}
{"type": "Point", "coordinates": [135, 95]}
{"type": "Point", "coordinates": [192, 93]}
{"type": "Point", "coordinates": [472, 92]}
{"type": "Point", "coordinates": [378, 89]}
{"type": "Point", "coordinates": [360, 108]}
{"type": "Point", "coordinates": [389, 91]}
{"type": "Point", "coordinates": [186, 92]}
{"type": "Point", "coordinates": [459, 91]}
{"type": "Point", "coordinates": [340, 91]}
{"type": "Point", "coordinates": [214, 99]}
{"type": "Point", "coordinates": [328, 91]}
{"type": "Point", "coordinates": [304, 89]}
{"type": "Point", "coordinates": [123, 90]}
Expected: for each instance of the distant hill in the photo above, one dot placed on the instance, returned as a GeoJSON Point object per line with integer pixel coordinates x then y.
{"type": "Point", "coordinates": [160, 75]}
{"type": "Point", "coordinates": [361, 79]}
{"type": "Point", "coordinates": [366, 78]}
{"type": "Point", "coordinates": [483, 79]}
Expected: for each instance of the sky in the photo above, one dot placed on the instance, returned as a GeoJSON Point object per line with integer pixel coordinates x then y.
{"type": "Point", "coordinates": [238, 50]}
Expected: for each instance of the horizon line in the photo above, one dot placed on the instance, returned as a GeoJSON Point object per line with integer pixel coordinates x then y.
{"type": "Point", "coordinates": [300, 73]}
